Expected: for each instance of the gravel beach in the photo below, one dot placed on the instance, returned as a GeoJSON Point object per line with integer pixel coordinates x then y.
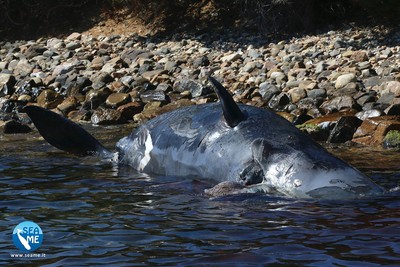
{"type": "Point", "coordinates": [339, 86]}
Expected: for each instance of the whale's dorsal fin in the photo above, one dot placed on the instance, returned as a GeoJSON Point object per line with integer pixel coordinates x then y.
{"type": "Point", "coordinates": [232, 113]}
{"type": "Point", "coordinates": [65, 134]}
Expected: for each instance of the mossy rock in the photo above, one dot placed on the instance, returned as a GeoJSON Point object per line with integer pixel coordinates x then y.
{"type": "Point", "coordinates": [392, 139]}
{"type": "Point", "coordinates": [314, 130]}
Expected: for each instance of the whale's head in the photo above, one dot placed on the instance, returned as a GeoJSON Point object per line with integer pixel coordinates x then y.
{"type": "Point", "coordinates": [305, 170]}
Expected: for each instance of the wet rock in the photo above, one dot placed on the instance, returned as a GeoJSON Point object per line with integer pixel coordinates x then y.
{"type": "Point", "coordinates": [100, 80]}
{"type": "Point", "coordinates": [49, 99]}
{"type": "Point", "coordinates": [94, 98]}
{"type": "Point", "coordinates": [373, 130]}
{"type": "Point", "coordinates": [13, 127]}
{"type": "Point", "coordinates": [164, 87]}
{"type": "Point", "coordinates": [363, 115]}
{"type": "Point", "coordinates": [68, 105]}
{"type": "Point", "coordinates": [317, 93]}
{"type": "Point", "coordinates": [130, 109]}
{"type": "Point", "coordinates": [107, 117]}
{"type": "Point", "coordinates": [80, 115]}
{"type": "Point", "coordinates": [152, 95]}
{"type": "Point", "coordinates": [344, 129]}
{"type": "Point", "coordinates": [393, 110]}
{"type": "Point", "coordinates": [117, 99]}
{"type": "Point", "coordinates": [315, 131]}
{"type": "Point", "coordinates": [224, 189]}
{"type": "Point", "coordinates": [392, 139]}
{"type": "Point", "coordinates": [279, 102]}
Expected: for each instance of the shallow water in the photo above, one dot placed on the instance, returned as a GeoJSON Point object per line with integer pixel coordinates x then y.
{"type": "Point", "coordinates": [93, 213]}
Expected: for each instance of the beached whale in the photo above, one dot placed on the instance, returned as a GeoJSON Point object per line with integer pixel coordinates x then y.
{"type": "Point", "coordinates": [245, 145]}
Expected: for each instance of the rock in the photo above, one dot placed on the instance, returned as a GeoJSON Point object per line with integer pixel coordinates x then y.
{"type": "Point", "coordinates": [372, 113]}
{"type": "Point", "coordinates": [393, 109]}
{"type": "Point", "coordinates": [73, 36]}
{"type": "Point", "coordinates": [392, 139]}
{"type": "Point", "coordinates": [107, 117]}
{"type": "Point", "coordinates": [268, 90]}
{"type": "Point", "coordinates": [117, 99]}
{"type": "Point", "coordinates": [344, 79]}
{"type": "Point", "coordinates": [373, 130]}
{"type": "Point", "coordinates": [23, 68]}
{"type": "Point", "coordinates": [195, 88]}
{"type": "Point", "coordinates": [231, 57]}
{"type": "Point", "coordinates": [164, 87]}
{"type": "Point", "coordinates": [149, 96]}
{"type": "Point", "coordinates": [279, 102]}
{"type": "Point", "coordinates": [339, 103]}
{"type": "Point", "coordinates": [94, 98]}
{"type": "Point", "coordinates": [100, 79]}
{"type": "Point", "coordinates": [391, 87]}
{"type": "Point", "coordinates": [296, 94]}
{"type": "Point", "coordinates": [68, 105]}
{"type": "Point", "coordinates": [7, 82]}
{"type": "Point", "coordinates": [13, 127]}
{"type": "Point", "coordinates": [359, 56]}
{"type": "Point", "coordinates": [63, 69]}
{"type": "Point", "coordinates": [249, 67]}
{"type": "Point", "coordinates": [34, 50]}
{"type": "Point", "coordinates": [315, 131]}
{"type": "Point", "coordinates": [344, 129]}
{"type": "Point", "coordinates": [73, 45]}
{"type": "Point", "coordinates": [150, 75]}
{"type": "Point", "coordinates": [49, 99]}
{"type": "Point", "coordinates": [130, 109]}
{"type": "Point", "coordinates": [201, 62]}
{"type": "Point", "coordinates": [317, 93]}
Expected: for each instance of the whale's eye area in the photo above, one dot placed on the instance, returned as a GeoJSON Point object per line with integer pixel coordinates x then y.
{"type": "Point", "coordinates": [252, 174]}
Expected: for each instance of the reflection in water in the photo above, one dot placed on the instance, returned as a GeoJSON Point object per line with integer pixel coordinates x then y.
{"type": "Point", "coordinates": [94, 213]}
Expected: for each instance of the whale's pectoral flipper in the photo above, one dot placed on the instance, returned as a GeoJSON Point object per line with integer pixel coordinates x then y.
{"type": "Point", "coordinates": [232, 113]}
{"type": "Point", "coordinates": [65, 134]}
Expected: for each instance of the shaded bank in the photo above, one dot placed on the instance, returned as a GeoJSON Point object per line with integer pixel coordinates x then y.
{"type": "Point", "coordinates": [33, 19]}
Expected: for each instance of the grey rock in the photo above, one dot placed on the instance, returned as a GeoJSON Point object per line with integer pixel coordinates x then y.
{"type": "Point", "coordinates": [107, 117]}
{"type": "Point", "coordinates": [365, 114]}
{"type": "Point", "coordinates": [268, 90]}
{"type": "Point", "coordinates": [345, 79]}
{"type": "Point", "coordinates": [195, 88]}
{"type": "Point", "coordinates": [152, 95]}
{"type": "Point", "coordinates": [73, 45]}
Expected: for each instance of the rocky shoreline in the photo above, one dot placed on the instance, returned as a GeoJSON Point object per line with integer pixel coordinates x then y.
{"type": "Point", "coordinates": [339, 86]}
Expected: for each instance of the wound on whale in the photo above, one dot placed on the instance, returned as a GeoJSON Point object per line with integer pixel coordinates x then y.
{"type": "Point", "coordinates": [242, 148]}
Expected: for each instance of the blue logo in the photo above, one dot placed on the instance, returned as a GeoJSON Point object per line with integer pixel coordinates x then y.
{"type": "Point", "coordinates": [27, 236]}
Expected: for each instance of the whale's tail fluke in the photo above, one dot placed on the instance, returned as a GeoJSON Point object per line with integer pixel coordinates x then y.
{"type": "Point", "coordinates": [65, 134]}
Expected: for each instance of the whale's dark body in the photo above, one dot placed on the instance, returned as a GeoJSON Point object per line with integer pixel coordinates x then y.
{"type": "Point", "coordinates": [238, 143]}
